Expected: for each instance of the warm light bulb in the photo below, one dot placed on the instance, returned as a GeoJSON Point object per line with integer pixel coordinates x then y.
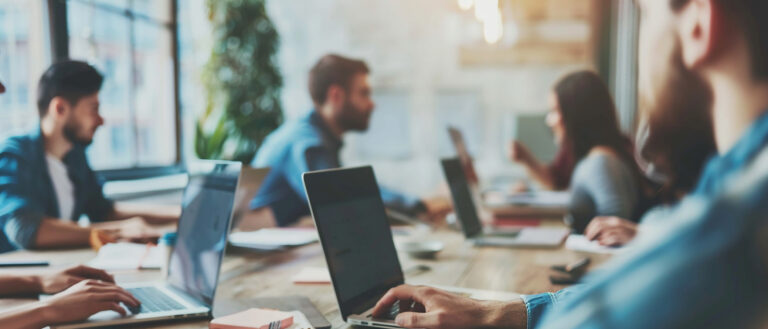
{"type": "Point", "coordinates": [486, 9]}
{"type": "Point", "coordinates": [466, 4]}
{"type": "Point", "coordinates": [493, 28]}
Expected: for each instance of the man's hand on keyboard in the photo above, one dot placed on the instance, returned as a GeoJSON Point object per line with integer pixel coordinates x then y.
{"type": "Point", "coordinates": [84, 299]}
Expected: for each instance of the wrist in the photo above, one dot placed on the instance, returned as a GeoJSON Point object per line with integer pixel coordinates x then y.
{"type": "Point", "coordinates": [42, 314]}
{"type": "Point", "coordinates": [34, 284]}
{"type": "Point", "coordinates": [506, 315]}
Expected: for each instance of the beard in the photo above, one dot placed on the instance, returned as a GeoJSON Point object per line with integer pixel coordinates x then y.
{"type": "Point", "coordinates": [352, 118]}
{"type": "Point", "coordinates": [73, 133]}
{"type": "Point", "coordinates": [677, 136]}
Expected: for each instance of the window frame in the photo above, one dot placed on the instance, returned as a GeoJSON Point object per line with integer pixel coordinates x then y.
{"type": "Point", "coordinates": [59, 42]}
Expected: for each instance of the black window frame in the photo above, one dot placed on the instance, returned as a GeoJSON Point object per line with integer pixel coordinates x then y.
{"type": "Point", "coordinates": [59, 41]}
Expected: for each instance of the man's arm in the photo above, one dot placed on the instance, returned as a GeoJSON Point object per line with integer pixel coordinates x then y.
{"type": "Point", "coordinates": [52, 233]}
{"type": "Point", "coordinates": [153, 214]}
{"type": "Point", "coordinates": [12, 285]}
{"type": "Point", "coordinates": [74, 304]}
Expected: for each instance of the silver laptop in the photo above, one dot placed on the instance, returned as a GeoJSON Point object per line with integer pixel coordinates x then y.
{"type": "Point", "coordinates": [470, 222]}
{"type": "Point", "coordinates": [499, 199]}
{"type": "Point", "coordinates": [196, 259]}
{"type": "Point", "coordinates": [251, 180]}
{"type": "Point", "coordinates": [357, 242]}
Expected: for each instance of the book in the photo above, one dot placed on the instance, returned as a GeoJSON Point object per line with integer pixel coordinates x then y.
{"type": "Point", "coordinates": [254, 318]}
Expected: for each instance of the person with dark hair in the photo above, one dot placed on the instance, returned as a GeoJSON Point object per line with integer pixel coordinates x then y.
{"type": "Point", "coordinates": [341, 95]}
{"type": "Point", "coordinates": [81, 291]}
{"type": "Point", "coordinates": [704, 262]}
{"type": "Point", "coordinates": [606, 180]}
{"type": "Point", "coordinates": [46, 183]}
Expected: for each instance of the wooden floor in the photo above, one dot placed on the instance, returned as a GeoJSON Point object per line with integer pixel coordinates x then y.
{"type": "Point", "coordinates": [247, 274]}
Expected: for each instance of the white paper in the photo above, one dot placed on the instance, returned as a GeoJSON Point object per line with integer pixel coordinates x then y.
{"type": "Point", "coordinates": [316, 275]}
{"type": "Point", "coordinates": [577, 242]}
{"type": "Point", "coordinates": [128, 256]}
{"type": "Point", "coordinates": [273, 238]}
{"type": "Point", "coordinates": [300, 321]}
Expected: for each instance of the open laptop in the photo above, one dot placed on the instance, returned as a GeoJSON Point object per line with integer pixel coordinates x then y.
{"type": "Point", "coordinates": [196, 259]}
{"type": "Point", "coordinates": [470, 222]}
{"type": "Point", "coordinates": [249, 185]}
{"type": "Point", "coordinates": [499, 200]}
{"type": "Point", "coordinates": [357, 242]}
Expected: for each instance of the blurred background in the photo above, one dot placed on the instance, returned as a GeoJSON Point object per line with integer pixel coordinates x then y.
{"type": "Point", "coordinates": [190, 79]}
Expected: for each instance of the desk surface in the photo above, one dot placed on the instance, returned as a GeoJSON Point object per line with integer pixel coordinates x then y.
{"type": "Point", "coordinates": [247, 275]}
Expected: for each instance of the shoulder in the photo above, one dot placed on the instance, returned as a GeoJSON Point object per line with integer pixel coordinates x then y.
{"type": "Point", "coordinates": [293, 136]}
{"type": "Point", "coordinates": [22, 146]}
{"type": "Point", "coordinates": [600, 159]}
{"type": "Point", "coordinates": [600, 165]}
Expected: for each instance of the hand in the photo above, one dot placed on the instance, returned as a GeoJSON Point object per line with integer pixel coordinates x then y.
{"type": "Point", "coordinates": [436, 208]}
{"type": "Point", "coordinates": [56, 282]}
{"type": "Point", "coordinates": [84, 299]}
{"type": "Point", "coordinates": [134, 229]}
{"type": "Point", "coordinates": [520, 186]}
{"type": "Point", "coordinates": [430, 308]}
{"type": "Point", "coordinates": [611, 231]}
{"type": "Point", "coordinates": [517, 152]}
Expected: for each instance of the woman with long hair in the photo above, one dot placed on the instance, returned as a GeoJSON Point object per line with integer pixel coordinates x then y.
{"type": "Point", "coordinates": [595, 157]}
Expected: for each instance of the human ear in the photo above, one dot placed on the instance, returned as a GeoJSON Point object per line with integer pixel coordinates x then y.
{"type": "Point", "coordinates": [699, 28]}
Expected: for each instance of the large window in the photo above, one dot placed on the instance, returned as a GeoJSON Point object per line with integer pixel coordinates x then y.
{"type": "Point", "coordinates": [23, 57]}
{"type": "Point", "coordinates": [132, 43]}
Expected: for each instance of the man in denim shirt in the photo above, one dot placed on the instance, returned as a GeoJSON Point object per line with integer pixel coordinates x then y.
{"type": "Point", "coordinates": [705, 264]}
{"type": "Point", "coordinates": [342, 96]}
{"type": "Point", "coordinates": [46, 183]}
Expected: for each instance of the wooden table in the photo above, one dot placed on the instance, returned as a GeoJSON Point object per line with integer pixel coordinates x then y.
{"type": "Point", "coordinates": [247, 275]}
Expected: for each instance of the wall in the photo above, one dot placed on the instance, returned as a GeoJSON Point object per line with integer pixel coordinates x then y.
{"type": "Point", "coordinates": [415, 51]}
{"type": "Point", "coordinates": [430, 68]}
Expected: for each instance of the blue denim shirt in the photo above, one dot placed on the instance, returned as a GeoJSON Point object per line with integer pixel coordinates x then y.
{"type": "Point", "coordinates": [27, 194]}
{"type": "Point", "coordinates": [702, 266]}
{"type": "Point", "coordinates": [295, 148]}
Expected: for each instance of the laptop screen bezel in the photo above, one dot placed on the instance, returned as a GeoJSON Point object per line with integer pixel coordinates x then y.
{"type": "Point", "coordinates": [366, 300]}
{"type": "Point", "coordinates": [452, 167]}
{"type": "Point", "coordinates": [204, 168]}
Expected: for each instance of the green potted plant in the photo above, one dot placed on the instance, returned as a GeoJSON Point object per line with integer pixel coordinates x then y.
{"type": "Point", "coordinates": [242, 82]}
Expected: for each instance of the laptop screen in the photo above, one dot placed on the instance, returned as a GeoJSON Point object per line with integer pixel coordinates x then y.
{"type": "Point", "coordinates": [457, 138]}
{"type": "Point", "coordinates": [202, 234]}
{"type": "Point", "coordinates": [355, 235]}
{"type": "Point", "coordinates": [462, 197]}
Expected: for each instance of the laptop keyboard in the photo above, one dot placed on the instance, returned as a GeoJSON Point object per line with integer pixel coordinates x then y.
{"type": "Point", "coordinates": [393, 312]}
{"type": "Point", "coordinates": [154, 300]}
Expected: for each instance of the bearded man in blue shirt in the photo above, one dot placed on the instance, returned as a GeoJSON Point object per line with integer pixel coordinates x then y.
{"type": "Point", "coordinates": [342, 97]}
{"type": "Point", "coordinates": [704, 263]}
{"type": "Point", "coordinates": [46, 183]}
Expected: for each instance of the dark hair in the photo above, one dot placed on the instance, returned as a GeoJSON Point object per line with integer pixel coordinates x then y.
{"type": "Point", "coordinates": [750, 15]}
{"type": "Point", "coordinates": [589, 116]}
{"type": "Point", "coordinates": [333, 70]}
{"type": "Point", "coordinates": [71, 80]}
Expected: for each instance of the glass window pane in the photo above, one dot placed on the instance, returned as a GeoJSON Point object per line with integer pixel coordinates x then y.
{"type": "Point", "coordinates": [22, 60]}
{"type": "Point", "coordinates": [460, 109]}
{"type": "Point", "coordinates": [138, 102]}
{"type": "Point", "coordinates": [159, 10]}
{"type": "Point", "coordinates": [153, 86]}
{"type": "Point", "coordinates": [103, 39]}
{"type": "Point", "coordinates": [116, 4]}
{"type": "Point", "coordinates": [390, 115]}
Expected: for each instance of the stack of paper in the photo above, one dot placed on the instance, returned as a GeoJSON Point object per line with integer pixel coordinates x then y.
{"type": "Point", "coordinates": [273, 238]}
{"type": "Point", "coordinates": [312, 275]}
{"type": "Point", "coordinates": [129, 256]}
{"type": "Point", "coordinates": [577, 242]}
{"type": "Point", "coordinates": [254, 318]}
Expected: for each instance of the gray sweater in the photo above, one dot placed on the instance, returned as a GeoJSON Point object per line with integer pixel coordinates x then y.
{"type": "Point", "coordinates": [602, 185]}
